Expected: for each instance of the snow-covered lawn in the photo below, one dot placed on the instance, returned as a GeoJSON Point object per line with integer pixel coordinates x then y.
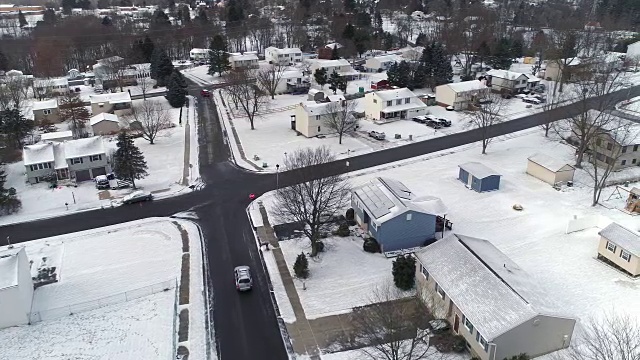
{"type": "Point", "coordinates": [165, 161]}
{"type": "Point", "coordinates": [100, 271]}
{"type": "Point", "coordinates": [199, 75]}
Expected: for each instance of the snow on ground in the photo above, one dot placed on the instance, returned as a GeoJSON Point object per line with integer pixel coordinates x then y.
{"type": "Point", "coordinates": [360, 354]}
{"type": "Point", "coordinates": [199, 75]}
{"type": "Point", "coordinates": [630, 106]}
{"type": "Point", "coordinates": [534, 238]}
{"type": "Point", "coordinates": [109, 267]}
{"type": "Point", "coordinates": [165, 161]}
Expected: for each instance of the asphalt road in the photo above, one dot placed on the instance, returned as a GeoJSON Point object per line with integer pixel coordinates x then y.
{"type": "Point", "coordinates": [245, 324]}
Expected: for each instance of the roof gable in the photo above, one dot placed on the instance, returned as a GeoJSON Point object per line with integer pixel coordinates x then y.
{"type": "Point", "coordinates": [549, 162]}
{"type": "Point", "coordinates": [37, 154]}
{"type": "Point", "coordinates": [83, 147]}
{"type": "Point", "coordinates": [478, 170]}
{"type": "Point", "coordinates": [9, 267]}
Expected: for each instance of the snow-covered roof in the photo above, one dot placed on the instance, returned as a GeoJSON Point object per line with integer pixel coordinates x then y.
{"type": "Point", "coordinates": [315, 108]}
{"type": "Point", "coordinates": [61, 160]}
{"type": "Point", "coordinates": [548, 162]}
{"type": "Point", "coordinates": [37, 154]}
{"type": "Point", "coordinates": [83, 147]}
{"type": "Point", "coordinates": [532, 78]}
{"type": "Point", "coordinates": [394, 94]}
{"type": "Point", "coordinates": [243, 57]}
{"type": "Point", "coordinates": [291, 74]}
{"type": "Point", "coordinates": [492, 291]}
{"type": "Point", "coordinates": [464, 86]}
{"type": "Point", "coordinates": [199, 51]}
{"type": "Point", "coordinates": [388, 58]}
{"type": "Point", "coordinates": [478, 170]}
{"type": "Point", "coordinates": [288, 50]}
{"type": "Point", "coordinates": [103, 117]}
{"type": "Point", "coordinates": [9, 267]}
{"type": "Point", "coordinates": [387, 198]}
{"type": "Point", "coordinates": [331, 63]}
{"type": "Point", "coordinates": [623, 131]}
{"type": "Point", "coordinates": [505, 74]}
{"type": "Point", "coordinates": [333, 45]}
{"type": "Point", "coordinates": [623, 237]}
{"type": "Point", "coordinates": [46, 104]}
{"type": "Point", "coordinates": [337, 97]}
{"type": "Point", "coordinates": [52, 136]}
{"type": "Point", "coordinates": [111, 98]}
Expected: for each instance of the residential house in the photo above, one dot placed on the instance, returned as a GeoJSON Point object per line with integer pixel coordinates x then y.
{"type": "Point", "coordinates": [620, 248]}
{"type": "Point", "coordinates": [616, 144]}
{"type": "Point", "coordinates": [46, 110]}
{"type": "Point", "coordinates": [381, 63]}
{"type": "Point", "coordinates": [461, 95]}
{"type": "Point", "coordinates": [393, 104]}
{"type": "Point", "coordinates": [51, 87]}
{"type": "Point", "coordinates": [327, 51]}
{"type": "Point", "coordinates": [393, 215]}
{"type": "Point", "coordinates": [633, 201]}
{"type": "Point", "coordinates": [199, 55]}
{"type": "Point", "coordinates": [16, 287]}
{"type": "Point", "coordinates": [632, 57]}
{"type": "Point", "coordinates": [550, 170]}
{"type": "Point", "coordinates": [243, 61]}
{"type": "Point", "coordinates": [478, 177]}
{"type": "Point", "coordinates": [341, 66]}
{"type": "Point", "coordinates": [311, 118]}
{"type": "Point", "coordinates": [570, 66]}
{"type": "Point", "coordinates": [80, 160]}
{"type": "Point", "coordinates": [497, 307]}
{"type": "Point", "coordinates": [112, 72]}
{"type": "Point", "coordinates": [114, 103]}
{"type": "Point", "coordinates": [504, 81]}
{"type": "Point", "coordinates": [285, 56]}
{"type": "Point", "coordinates": [56, 136]}
{"type": "Point", "coordinates": [411, 53]}
{"type": "Point", "coordinates": [105, 124]}
{"type": "Point", "coordinates": [291, 81]}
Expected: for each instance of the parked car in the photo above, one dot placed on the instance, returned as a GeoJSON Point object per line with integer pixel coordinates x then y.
{"type": "Point", "coordinates": [531, 100]}
{"type": "Point", "coordinates": [444, 122]}
{"type": "Point", "coordinates": [137, 196]}
{"type": "Point", "coordinates": [421, 119]}
{"type": "Point", "coordinates": [439, 326]}
{"type": "Point", "coordinates": [450, 108]}
{"type": "Point", "coordinates": [205, 93]}
{"type": "Point", "coordinates": [102, 182]}
{"type": "Point", "coordinates": [521, 96]}
{"type": "Point", "coordinates": [242, 275]}
{"type": "Point", "coordinates": [434, 123]}
{"type": "Point", "coordinates": [377, 135]}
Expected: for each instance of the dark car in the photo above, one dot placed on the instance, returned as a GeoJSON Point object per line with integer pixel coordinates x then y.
{"type": "Point", "coordinates": [205, 93]}
{"type": "Point", "coordinates": [434, 124]}
{"type": "Point", "coordinates": [137, 196]}
{"type": "Point", "coordinates": [421, 119]}
{"type": "Point", "coordinates": [439, 326]}
{"type": "Point", "coordinates": [444, 122]}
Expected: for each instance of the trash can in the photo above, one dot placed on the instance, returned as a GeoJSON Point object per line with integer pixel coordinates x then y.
{"type": "Point", "coordinates": [410, 137]}
{"type": "Point", "coordinates": [398, 136]}
{"type": "Point", "coordinates": [361, 89]}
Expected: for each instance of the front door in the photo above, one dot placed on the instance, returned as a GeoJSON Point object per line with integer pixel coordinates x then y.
{"type": "Point", "coordinates": [456, 323]}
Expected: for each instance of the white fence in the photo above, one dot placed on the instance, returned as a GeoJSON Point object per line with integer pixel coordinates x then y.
{"type": "Point", "coordinates": [125, 296]}
{"type": "Point", "coordinates": [587, 222]}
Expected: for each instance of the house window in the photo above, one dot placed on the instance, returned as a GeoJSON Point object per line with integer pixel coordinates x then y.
{"type": "Point", "coordinates": [611, 247]}
{"type": "Point", "coordinates": [467, 324]}
{"type": "Point", "coordinates": [624, 149]}
{"type": "Point", "coordinates": [409, 217]}
{"type": "Point", "coordinates": [76, 161]}
{"type": "Point", "coordinates": [609, 160]}
{"type": "Point", "coordinates": [318, 128]}
{"type": "Point", "coordinates": [95, 157]}
{"type": "Point", "coordinates": [609, 146]}
{"type": "Point", "coordinates": [424, 272]}
{"type": "Point", "coordinates": [46, 111]}
{"type": "Point", "coordinates": [47, 166]}
{"type": "Point", "coordinates": [625, 255]}
{"type": "Point", "coordinates": [635, 147]}
{"type": "Point", "coordinates": [33, 167]}
{"type": "Point", "coordinates": [598, 142]}
{"type": "Point", "coordinates": [482, 341]}
{"type": "Point", "coordinates": [374, 226]}
{"type": "Point", "coordinates": [40, 167]}
{"type": "Point", "coordinates": [440, 291]}
{"type": "Point", "coordinates": [407, 100]}
{"type": "Point", "coordinates": [389, 103]}
{"type": "Point", "coordinates": [375, 101]}
{"type": "Point", "coordinates": [399, 102]}
{"type": "Point", "coordinates": [623, 162]}
{"type": "Point", "coordinates": [317, 117]}
{"type": "Point", "coordinates": [634, 161]}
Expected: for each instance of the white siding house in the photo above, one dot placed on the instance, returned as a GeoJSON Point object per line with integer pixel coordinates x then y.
{"type": "Point", "coordinates": [510, 81]}
{"type": "Point", "coordinates": [16, 287]}
{"type": "Point", "coordinates": [286, 56]}
{"type": "Point", "coordinates": [394, 104]}
{"type": "Point", "coordinates": [462, 94]}
{"type": "Point", "coordinates": [199, 55]}
{"type": "Point", "coordinates": [341, 66]}
{"type": "Point", "coordinates": [381, 63]}
{"type": "Point", "coordinates": [53, 87]}
{"type": "Point", "coordinates": [311, 117]}
{"type": "Point", "coordinates": [243, 61]}
{"type": "Point", "coordinates": [115, 103]}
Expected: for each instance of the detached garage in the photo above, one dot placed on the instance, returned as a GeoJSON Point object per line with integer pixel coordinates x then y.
{"type": "Point", "coordinates": [548, 169]}
{"type": "Point", "coordinates": [479, 177]}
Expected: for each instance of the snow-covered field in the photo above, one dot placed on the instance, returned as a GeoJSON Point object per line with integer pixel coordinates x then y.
{"type": "Point", "coordinates": [165, 161]}
{"type": "Point", "coordinates": [108, 279]}
{"type": "Point", "coordinates": [199, 75]}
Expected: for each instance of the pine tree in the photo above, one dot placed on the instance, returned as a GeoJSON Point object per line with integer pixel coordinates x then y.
{"type": "Point", "coordinates": [235, 12]}
{"type": "Point", "coordinates": [342, 84]}
{"type": "Point", "coordinates": [218, 56]}
{"type": "Point", "coordinates": [301, 266]}
{"type": "Point", "coordinates": [442, 71]}
{"type": "Point", "coordinates": [501, 56]}
{"type": "Point", "coordinates": [335, 53]}
{"type": "Point", "coordinates": [404, 272]}
{"type": "Point", "coordinates": [49, 17]}
{"type": "Point", "coordinates": [320, 76]}
{"type": "Point", "coordinates": [4, 62]}
{"type": "Point", "coordinates": [334, 80]}
{"type": "Point", "coordinates": [202, 17]}
{"type": "Point", "coordinates": [128, 161]}
{"type": "Point", "coordinates": [106, 21]}
{"type": "Point", "coordinates": [146, 48]}
{"type": "Point", "coordinates": [349, 31]}
{"type": "Point", "coordinates": [9, 202]}
{"type": "Point", "coordinates": [399, 74]}
{"type": "Point", "coordinates": [161, 66]}
{"type": "Point", "coordinates": [21, 19]}
{"type": "Point", "coordinates": [177, 90]}
{"type": "Point", "coordinates": [421, 40]}
{"type": "Point", "coordinates": [419, 76]}
{"type": "Point", "coordinates": [15, 127]}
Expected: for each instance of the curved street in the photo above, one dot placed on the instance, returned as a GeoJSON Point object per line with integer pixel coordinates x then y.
{"type": "Point", "coordinates": [246, 325]}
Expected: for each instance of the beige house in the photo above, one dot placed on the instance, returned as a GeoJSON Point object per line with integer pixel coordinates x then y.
{"type": "Point", "coordinates": [311, 117]}
{"type": "Point", "coordinates": [243, 61]}
{"type": "Point", "coordinates": [620, 248]}
{"type": "Point", "coordinates": [554, 69]}
{"type": "Point", "coordinates": [548, 169]}
{"type": "Point", "coordinates": [462, 94]}
{"type": "Point", "coordinates": [381, 63]}
{"type": "Point", "coordinates": [46, 111]}
{"type": "Point", "coordinates": [617, 143]}
{"type": "Point", "coordinates": [393, 104]}
{"type": "Point", "coordinates": [105, 124]}
{"type": "Point", "coordinates": [510, 81]}
{"type": "Point", "coordinates": [16, 287]}
{"type": "Point", "coordinates": [490, 301]}
{"type": "Point", "coordinates": [114, 103]}
{"type": "Point", "coordinates": [51, 87]}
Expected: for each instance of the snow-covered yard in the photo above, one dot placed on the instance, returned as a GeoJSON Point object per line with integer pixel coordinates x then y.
{"type": "Point", "coordinates": [119, 283]}
{"type": "Point", "coordinates": [199, 75]}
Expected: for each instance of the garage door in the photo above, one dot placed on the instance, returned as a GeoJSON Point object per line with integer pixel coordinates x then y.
{"type": "Point", "coordinates": [83, 175]}
{"type": "Point", "coordinates": [98, 171]}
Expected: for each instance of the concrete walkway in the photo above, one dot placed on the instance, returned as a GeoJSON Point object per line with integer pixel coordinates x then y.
{"type": "Point", "coordinates": [187, 144]}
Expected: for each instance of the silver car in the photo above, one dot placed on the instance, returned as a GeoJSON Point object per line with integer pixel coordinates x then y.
{"type": "Point", "coordinates": [137, 196]}
{"type": "Point", "coordinates": [242, 275]}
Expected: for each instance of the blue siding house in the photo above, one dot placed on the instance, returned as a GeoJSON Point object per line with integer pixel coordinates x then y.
{"type": "Point", "coordinates": [398, 219]}
{"type": "Point", "coordinates": [479, 177]}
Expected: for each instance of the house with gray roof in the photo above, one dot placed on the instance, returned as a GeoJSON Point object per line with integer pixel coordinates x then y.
{"type": "Point", "coordinates": [494, 304]}
{"type": "Point", "coordinates": [395, 216]}
{"type": "Point", "coordinates": [620, 248]}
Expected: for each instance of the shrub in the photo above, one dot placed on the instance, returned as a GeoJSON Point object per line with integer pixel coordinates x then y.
{"type": "Point", "coordinates": [301, 266]}
{"type": "Point", "coordinates": [404, 272]}
{"type": "Point", "coordinates": [518, 357]}
{"type": "Point", "coordinates": [343, 230]}
{"type": "Point", "coordinates": [319, 246]}
{"type": "Point", "coordinates": [350, 215]}
{"type": "Point", "coordinates": [459, 344]}
{"type": "Point", "coordinates": [371, 245]}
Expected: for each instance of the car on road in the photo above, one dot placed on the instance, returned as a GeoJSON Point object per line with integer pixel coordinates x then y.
{"type": "Point", "coordinates": [242, 274]}
{"type": "Point", "coordinates": [421, 119]}
{"type": "Point", "coordinates": [377, 135]}
{"type": "Point", "coordinates": [205, 93]}
{"type": "Point", "coordinates": [439, 326]}
{"type": "Point", "coordinates": [137, 196]}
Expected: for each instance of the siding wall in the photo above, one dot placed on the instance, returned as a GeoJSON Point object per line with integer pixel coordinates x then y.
{"type": "Point", "coordinates": [463, 176]}
{"type": "Point", "coordinates": [445, 95]}
{"type": "Point", "coordinates": [400, 233]}
{"type": "Point", "coordinates": [632, 266]}
{"type": "Point", "coordinates": [489, 183]}
{"type": "Point", "coordinates": [535, 337]}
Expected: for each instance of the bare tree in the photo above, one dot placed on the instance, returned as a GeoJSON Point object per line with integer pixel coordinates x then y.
{"type": "Point", "coordinates": [487, 116]}
{"type": "Point", "coordinates": [42, 89]}
{"type": "Point", "coordinates": [311, 202]}
{"type": "Point", "coordinates": [611, 337]}
{"type": "Point", "coordinates": [144, 85]}
{"type": "Point", "coordinates": [245, 94]}
{"type": "Point", "coordinates": [390, 329]}
{"type": "Point", "coordinates": [269, 78]}
{"type": "Point", "coordinates": [149, 117]}
{"type": "Point", "coordinates": [14, 92]}
{"type": "Point", "coordinates": [338, 116]}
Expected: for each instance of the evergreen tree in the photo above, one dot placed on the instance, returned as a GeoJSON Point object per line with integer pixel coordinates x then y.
{"type": "Point", "coordinates": [15, 127]}
{"type": "Point", "coordinates": [159, 20]}
{"type": "Point", "coordinates": [106, 21]}
{"type": "Point", "coordinates": [235, 12]}
{"type": "Point", "coordinates": [320, 76]}
{"type": "Point", "coordinates": [334, 80]}
{"type": "Point", "coordinates": [404, 272]}
{"type": "Point", "coordinates": [335, 53]}
{"type": "Point", "coordinates": [21, 19]}
{"type": "Point", "coordinates": [67, 5]}
{"type": "Point", "coordinates": [49, 17]}
{"type": "Point", "coordinates": [301, 266]}
{"type": "Point", "coordinates": [202, 18]}
{"type": "Point", "coordinates": [4, 62]}
{"type": "Point", "coordinates": [501, 56]}
{"type": "Point", "coordinates": [177, 90]}
{"type": "Point", "coordinates": [436, 65]}
{"type": "Point", "coordinates": [161, 66]}
{"type": "Point", "coordinates": [421, 40]}
{"type": "Point", "coordinates": [418, 76]}
{"type": "Point", "coordinates": [9, 202]}
{"type": "Point", "coordinates": [128, 161]}
{"type": "Point", "coordinates": [342, 84]}
{"type": "Point", "coordinates": [362, 42]}
{"type": "Point", "coordinates": [349, 31]}
{"type": "Point", "coordinates": [517, 48]}
{"type": "Point", "coordinates": [399, 74]}
{"type": "Point", "coordinates": [218, 56]}
{"type": "Point", "coordinates": [146, 48]}
{"type": "Point", "coordinates": [483, 51]}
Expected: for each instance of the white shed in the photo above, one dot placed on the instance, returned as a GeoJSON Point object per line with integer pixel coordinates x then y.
{"type": "Point", "coordinates": [16, 287]}
{"type": "Point", "coordinates": [548, 169]}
